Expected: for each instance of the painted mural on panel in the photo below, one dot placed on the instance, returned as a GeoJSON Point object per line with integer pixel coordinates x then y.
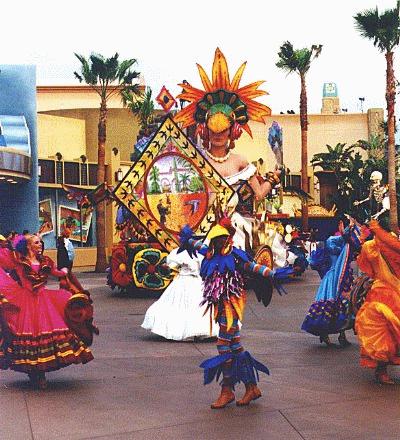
{"type": "Point", "coordinates": [70, 218]}
{"type": "Point", "coordinates": [45, 217]}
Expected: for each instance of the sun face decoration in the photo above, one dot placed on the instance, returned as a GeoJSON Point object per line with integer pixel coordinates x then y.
{"type": "Point", "coordinates": [222, 104]}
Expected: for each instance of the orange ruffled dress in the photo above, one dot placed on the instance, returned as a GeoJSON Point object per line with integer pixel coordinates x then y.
{"type": "Point", "coordinates": [378, 320]}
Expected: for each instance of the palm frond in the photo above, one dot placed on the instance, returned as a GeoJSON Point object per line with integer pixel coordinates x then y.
{"type": "Point", "coordinates": [298, 60]}
{"type": "Point", "coordinates": [98, 66]}
{"type": "Point", "coordinates": [112, 66]}
{"type": "Point", "coordinates": [110, 75]}
{"type": "Point", "coordinates": [124, 74]}
{"type": "Point", "coordinates": [287, 59]}
{"type": "Point", "coordinates": [86, 72]}
{"type": "Point", "coordinates": [383, 29]}
{"type": "Point", "coordinates": [129, 77]}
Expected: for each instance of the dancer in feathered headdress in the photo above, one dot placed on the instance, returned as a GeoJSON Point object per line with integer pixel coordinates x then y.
{"type": "Point", "coordinates": [222, 272]}
{"type": "Point", "coordinates": [221, 112]}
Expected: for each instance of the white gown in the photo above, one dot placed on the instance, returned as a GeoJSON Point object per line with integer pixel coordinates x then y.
{"type": "Point", "coordinates": [177, 314]}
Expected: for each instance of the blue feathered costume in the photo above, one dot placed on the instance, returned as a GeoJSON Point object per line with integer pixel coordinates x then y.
{"type": "Point", "coordinates": [224, 294]}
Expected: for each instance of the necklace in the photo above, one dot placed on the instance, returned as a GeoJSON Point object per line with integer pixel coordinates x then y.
{"type": "Point", "coordinates": [217, 158]}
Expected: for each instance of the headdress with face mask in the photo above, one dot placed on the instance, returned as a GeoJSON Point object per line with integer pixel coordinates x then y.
{"type": "Point", "coordinates": [222, 104]}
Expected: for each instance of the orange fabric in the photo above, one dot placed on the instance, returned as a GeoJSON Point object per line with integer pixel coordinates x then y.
{"type": "Point", "coordinates": [378, 320]}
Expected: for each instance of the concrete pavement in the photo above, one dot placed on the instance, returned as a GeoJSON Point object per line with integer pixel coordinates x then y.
{"type": "Point", "coordinates": [142, 387]}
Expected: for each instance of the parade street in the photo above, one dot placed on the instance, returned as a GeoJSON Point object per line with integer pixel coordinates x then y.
{"type": "Point", "coordinates": [143, 387]}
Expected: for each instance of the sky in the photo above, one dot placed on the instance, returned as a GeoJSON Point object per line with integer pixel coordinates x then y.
{"type": "Point", "coordinates": [168, 38]}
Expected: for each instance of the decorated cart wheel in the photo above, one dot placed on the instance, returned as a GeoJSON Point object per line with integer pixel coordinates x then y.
{"type": "Point", "coordinates": [150, 271]}
{"type": "Point", "coordinates": [264, 256]}
{"type": "Point", "coordinates": [120, 274]}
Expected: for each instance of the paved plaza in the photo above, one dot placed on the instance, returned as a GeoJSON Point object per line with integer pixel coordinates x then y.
{"type": "Point", "coordinates": [143, 387]}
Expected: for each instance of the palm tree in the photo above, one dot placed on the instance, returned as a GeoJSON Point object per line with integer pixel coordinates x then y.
{"type": "Point", "coordinates": [196, 184]}
{"type": "Point", "coordinates": [299, 61]}
{"type": "Point", "coordinates": [107, 77]}
{"type": "Point", "coordinates": [184, 179]}
{"type": "Point", "coordinates": [384, 31]}
{"type": "Point", "coordinates": [142, 108]}
{"type": "Point", "coordinates": [155, 187]}
{"type": "Point", "coordinates": [335, 159]}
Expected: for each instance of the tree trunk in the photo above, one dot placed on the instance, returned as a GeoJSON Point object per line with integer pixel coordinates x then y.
{"type": "Point", "coordinates": [390, 101]}
{"type": "Point", "coordinates": [101, 260]}
{"type": "Point", "coordinates": [304, 155]}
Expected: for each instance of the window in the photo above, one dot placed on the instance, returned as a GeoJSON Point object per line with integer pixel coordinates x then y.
{"type": "Point", "coordinates": [93, 174]}
{"type": "Point", "coordinates": [71, 173]}
{"type": "Point", "coordinates": [47, 171]}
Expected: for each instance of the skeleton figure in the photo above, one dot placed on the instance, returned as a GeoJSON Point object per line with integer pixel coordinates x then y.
{"type": "Point", "coordinates": [378, 196]}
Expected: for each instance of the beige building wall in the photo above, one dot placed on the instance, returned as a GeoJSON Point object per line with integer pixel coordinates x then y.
{"type": "Point", "coordinates": [323, 129]}
{"type": "Point", "coordinates": [122, 129]}
{"type": "Point", "coordinates": [66, 135]}
{"type": "Point", "coordinates": [71, 97]}
{"type": "Point", "coordinates": [82, 102]}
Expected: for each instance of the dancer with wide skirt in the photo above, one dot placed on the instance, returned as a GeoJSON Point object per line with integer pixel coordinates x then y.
{"type": "Point", "coordinates": [41, 329]}
{"type": "Point", "coordinates": [330, 313]}
{"type": "Point", "coordinates": [378, 320]}
{"type": "Point", "coordinates": [177, 315]}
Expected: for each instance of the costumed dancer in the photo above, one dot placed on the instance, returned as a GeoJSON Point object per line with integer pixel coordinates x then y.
{"type": "Point", "coordinates": [177, 314]}
{"type": "Point", "coordinates": [220, 113]}
{"type": "Point", "coordinates": [222, 272]}
{"type": "Point", "coordinates": [378, 320]}
{"type": "Point", "coordinates": [330, 313]}
{"type": "Point", "coordinates": [41, 330]}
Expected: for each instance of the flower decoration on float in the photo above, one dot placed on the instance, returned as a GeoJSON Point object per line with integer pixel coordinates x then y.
{"type": "Point", "coordinates": [150, 270]}
{"type": "Point", "coordinates": [223, 104]}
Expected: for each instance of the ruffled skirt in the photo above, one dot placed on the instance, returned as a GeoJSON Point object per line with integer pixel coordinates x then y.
{"type": "Point", "coordinates": [328, 317]}
{"type": "Point", "coordinates": [34, 335]}
{"type": "Point", "coordinates": [378, 328]}
{"type": "Point", "coordinates": [177, 315]}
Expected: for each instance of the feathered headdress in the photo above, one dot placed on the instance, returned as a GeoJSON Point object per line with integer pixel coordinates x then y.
{"type": "Point", "coordinates": [222, 104]}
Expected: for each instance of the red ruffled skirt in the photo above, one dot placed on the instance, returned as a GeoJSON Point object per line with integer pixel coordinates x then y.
{"type": "Point", "coordinates": [34, 335]}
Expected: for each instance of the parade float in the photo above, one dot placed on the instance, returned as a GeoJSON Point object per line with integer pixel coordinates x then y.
{"type": "Point", "coordinates": [174, 182]}
{"type": "Point", "coordinates": [170, 185]}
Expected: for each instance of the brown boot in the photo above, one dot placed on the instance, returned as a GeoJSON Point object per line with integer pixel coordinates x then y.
{"type": "Point", "coordinates": [226, 396]}
{"type": "Point", "coordinates": [252, 393]}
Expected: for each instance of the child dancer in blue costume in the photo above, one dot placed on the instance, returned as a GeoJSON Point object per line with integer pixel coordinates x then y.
{"type": "Point", "coordinates": [224, 294]}
{"type": "Point", "coordinates": [330, 312]}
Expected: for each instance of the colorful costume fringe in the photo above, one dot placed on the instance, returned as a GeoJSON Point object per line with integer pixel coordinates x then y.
{"type": "Point", "coordinates": [34, 334]}
{"type": "Point", "coordinates": [225, 296]}
{"type": "Point", "coordinates": [378, 320]}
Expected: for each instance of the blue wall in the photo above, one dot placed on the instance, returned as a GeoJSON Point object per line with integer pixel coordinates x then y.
{"type": "Point", "coordinates": [19, 203]}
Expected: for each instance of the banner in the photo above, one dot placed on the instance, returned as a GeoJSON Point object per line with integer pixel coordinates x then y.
{"type": "Point", "coordinates": [70, 218]}
{"type": "Point", "coordinates": [45, 218]}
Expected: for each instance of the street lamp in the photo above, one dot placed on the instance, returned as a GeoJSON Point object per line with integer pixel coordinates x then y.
{"type": "Point", "coordinates": [362, 99]}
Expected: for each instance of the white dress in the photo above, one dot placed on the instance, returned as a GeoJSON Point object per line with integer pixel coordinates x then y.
{"type": "Point", "coordinates": [177, 314]}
